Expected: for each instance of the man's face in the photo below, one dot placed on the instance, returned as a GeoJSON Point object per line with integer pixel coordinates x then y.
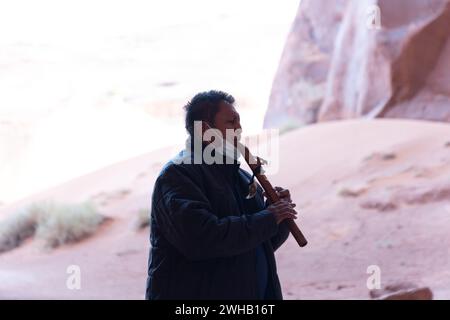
{"type": "Point", "coordinates": [227, 118]}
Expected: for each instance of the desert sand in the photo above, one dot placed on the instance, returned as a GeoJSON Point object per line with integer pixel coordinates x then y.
{"type": "Point", "coordinates": [369, 192]}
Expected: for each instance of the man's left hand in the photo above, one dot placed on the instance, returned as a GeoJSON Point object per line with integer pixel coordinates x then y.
{"type": "Point", "coordinates": [284, 194]}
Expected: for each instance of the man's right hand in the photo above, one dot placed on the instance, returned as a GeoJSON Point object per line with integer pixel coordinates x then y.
{"type": "Point", "coordinates": [282, 210]}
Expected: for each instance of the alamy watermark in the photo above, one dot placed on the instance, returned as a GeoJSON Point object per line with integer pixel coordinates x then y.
{"type": "Point", "coordinates": [211, 147]}
{"type": "Point", "coordinates": [73, 281]}
{"type": "Point", "coordinates": [373, 17]}
{"type": "Point", "coordinates": [374, 280]}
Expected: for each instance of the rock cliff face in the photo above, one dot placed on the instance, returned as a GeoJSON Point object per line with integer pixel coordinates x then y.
{"type": "Point", "coordinates": [364, 58]}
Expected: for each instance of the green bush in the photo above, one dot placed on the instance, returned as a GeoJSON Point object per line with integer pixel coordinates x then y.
{"type": "Point", "coordinates": [17, 228]}
{"type": "Point", "coordinates": [67, 223]}
{"type": "Point", "coordinates": [53, 223]}
{"type": "Point", "coordinates": [143, 219]}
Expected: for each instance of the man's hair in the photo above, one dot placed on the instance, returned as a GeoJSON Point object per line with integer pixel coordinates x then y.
{"type": "Point", "coordinates": [204, 107]}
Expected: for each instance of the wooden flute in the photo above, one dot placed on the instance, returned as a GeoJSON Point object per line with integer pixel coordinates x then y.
{"type": "Point", "coordinates": [255, 165]}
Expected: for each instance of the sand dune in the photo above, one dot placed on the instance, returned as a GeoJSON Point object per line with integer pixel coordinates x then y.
{"type": "Point", "coordinates": [368, 192]}
{"type": "Point", "coordinates": [73, 97]}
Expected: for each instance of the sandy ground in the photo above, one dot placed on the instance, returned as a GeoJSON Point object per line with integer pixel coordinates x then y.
{"type": "Point", "coordinates": [368, 192]}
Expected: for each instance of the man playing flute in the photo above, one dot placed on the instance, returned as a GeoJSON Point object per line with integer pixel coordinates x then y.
{"type": "Point", "coordinates": [209, 240]}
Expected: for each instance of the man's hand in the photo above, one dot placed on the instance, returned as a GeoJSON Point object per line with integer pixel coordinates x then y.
{"type": "Point", "coordinates": [282, 210]}
{"type": "Point", "coordinates": [282, 193]}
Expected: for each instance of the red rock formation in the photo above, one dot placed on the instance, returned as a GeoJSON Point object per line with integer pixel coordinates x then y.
{"type": "Point", "coordinates": [338, 64]}
{"type": "Point", "coordinates": [402, 291]}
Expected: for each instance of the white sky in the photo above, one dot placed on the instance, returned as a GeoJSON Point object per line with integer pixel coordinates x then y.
{"type": "Point", "coordinates": [82, 82]}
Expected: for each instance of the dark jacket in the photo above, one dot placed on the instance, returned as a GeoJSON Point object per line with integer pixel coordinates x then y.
{"type": "Point", "coordinates": [204, 234]}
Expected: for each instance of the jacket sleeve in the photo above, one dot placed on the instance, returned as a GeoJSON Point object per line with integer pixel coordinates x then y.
{"type": "Point", "coordinates": [281, 236]}
{"type": "Point", "coordinates": [185, 216]}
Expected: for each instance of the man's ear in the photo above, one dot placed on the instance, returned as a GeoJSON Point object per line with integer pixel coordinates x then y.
{"type": "Point", "coordinates": [205, 126]}
{"type": "Point", "coordinates": [200, 127]}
